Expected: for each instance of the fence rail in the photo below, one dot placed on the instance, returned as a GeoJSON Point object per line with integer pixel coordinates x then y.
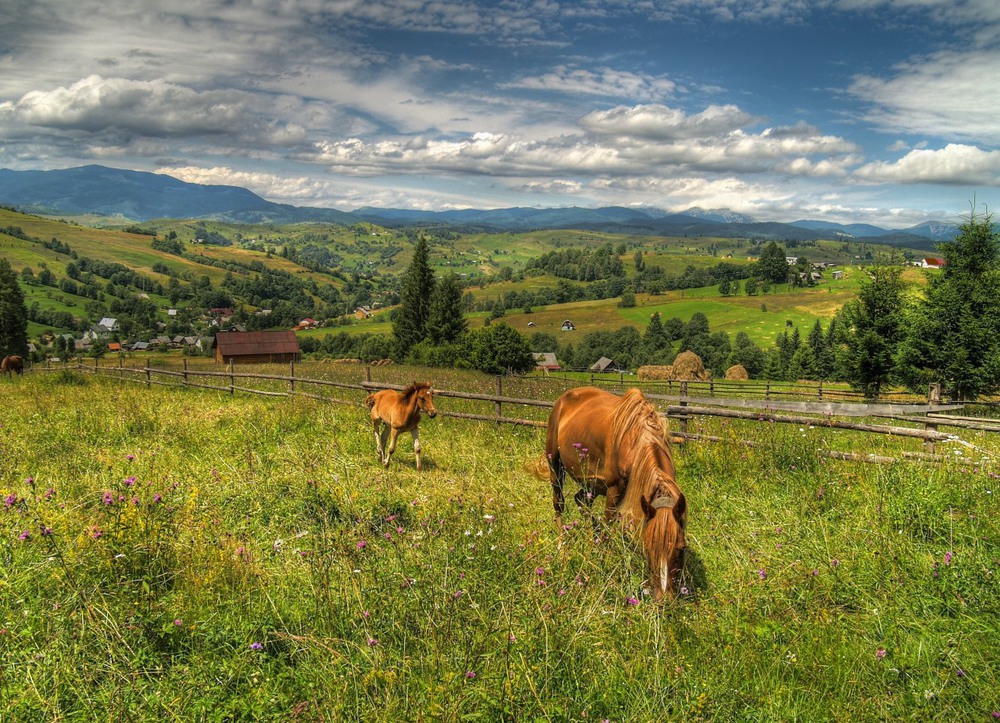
{"type": "Point", "coordinates": [681, 407]}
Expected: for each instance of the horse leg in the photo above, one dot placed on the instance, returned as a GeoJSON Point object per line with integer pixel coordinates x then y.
{"type": "Point", "coordinates": [416, 447]}
{"type": "Point", "coordinates": [557, 477]}
{"type": "Point", "coordinates": [612, 498]}
{"type": "Point", "coordinates": [393, 434]}
{"type": "Point", "coordinates": [377, 427]}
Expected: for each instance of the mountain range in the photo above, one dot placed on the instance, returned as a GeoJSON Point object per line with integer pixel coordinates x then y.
{"type": "Point", "coordinates": [142, 196]}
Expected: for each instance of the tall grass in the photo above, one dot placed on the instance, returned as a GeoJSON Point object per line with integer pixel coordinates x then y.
{"type": "Point", "coordinates": [190, 555]}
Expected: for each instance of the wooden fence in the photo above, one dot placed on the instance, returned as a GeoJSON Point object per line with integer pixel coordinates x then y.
{"type": "Point", "coordinates": [681, 407]}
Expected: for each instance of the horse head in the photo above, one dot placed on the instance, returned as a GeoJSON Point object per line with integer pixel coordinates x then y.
{"type": "Point", "coordinates": [663, 539]}
{"type": "Point", "coordinates": [425, 398]}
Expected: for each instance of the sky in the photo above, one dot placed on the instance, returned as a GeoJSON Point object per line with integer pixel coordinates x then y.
{"type": "Point", "coordinates": [873, 111]}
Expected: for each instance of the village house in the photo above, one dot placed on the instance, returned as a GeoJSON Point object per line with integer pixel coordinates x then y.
{"type": "Point", "coordinates": [256, 347]}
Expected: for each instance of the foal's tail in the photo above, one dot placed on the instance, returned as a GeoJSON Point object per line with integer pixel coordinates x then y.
{"type": "Point", "coordinates": [539, 467]}
{"type": "Point", "coordinates": [370, 400]}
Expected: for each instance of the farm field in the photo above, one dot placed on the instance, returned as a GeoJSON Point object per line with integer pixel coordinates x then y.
{"type": "Point", "coordinates": [187, 554]}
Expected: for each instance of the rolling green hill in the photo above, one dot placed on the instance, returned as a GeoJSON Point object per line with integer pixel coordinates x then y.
{"type": "Point", "coordinates": [73, 274]}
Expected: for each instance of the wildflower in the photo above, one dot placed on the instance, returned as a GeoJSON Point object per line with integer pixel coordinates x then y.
{"type": "Point", "coordinates": [49, 493]}
{"type": "Point", "coordinates": [135, 501]}
{"type": "Point", "coordinates": [763, 573]}
{"type": "Point", "coordinates": [157, 498]}
{"type": "Point", "coordinates": [880, 653]}
{"type": "Point", "coordinates": [10, 500]}
{"type": "Point", "coordinates": [361, 544]}
{"type": "Point", "coordinates": [108, 498]}
{"type": "Point", "coordinates": [372, 642]}
{"type": "Point", "coordinates": [489, 518]}
{"type": "Point", "coordinates": [539, 570]}
{"type": "Point", "coordinates": [684, 590]}
{"type": "Point", "coordinates": [46, 531]}
{"type": "Point", "coordinates": [96, 533]}
{"type": "Point", "coordinates": [470, 675]}
{"type": "Point", "coordinates": [959, 672]}
{"type": "Point", "coordinates": [178, 622]}
{"type": "Point", "coordinates": [24, 536]}
{"type": "Point", "coordinates": [130, 481]}
{"type": "Point", "coordinates": [632, 600]}
{"type": "Point", "coordinates": [256, 646]}
{"type": "Point", "coordinates": [457, 594]}
{"type": "Point", "coordinates": [129, 457]}
{"type": "Point", "coordinates": [834, 563]}
{"type": "Point", "coordinates": [947, 558]}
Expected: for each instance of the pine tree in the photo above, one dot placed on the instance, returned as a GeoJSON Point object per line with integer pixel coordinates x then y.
{"type": "Point", "coordinates": [954, 334]}
{"type": "Point", "coordinates": [874, 330]}
{"type": "Point", "coordinates": [13, 314]}
{"type": "Point", "coordinates": [445, 321]}
{"type": "Point", "coordinates": [410, 325]}
{"type": "Point", "coordinates": [772, 265]}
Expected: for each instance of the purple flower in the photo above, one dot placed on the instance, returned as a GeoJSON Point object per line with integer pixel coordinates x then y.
{"type": "Point", "coordinates": [50, 493]}
{"type": "Point", "coordinates": [178, 622]}
{"type": "Point", "coordinates": [372, 642]}
{"type": "Point", "coordinates": [763, 573]}
{"type": "Point", "coordinates": [361, 544]}
{"type": "Point", "coordinates": [834, 563]}
{"type": "Point", "coordinates": [947, 558]}
{"type": "Point", "coordinates": [880, 653]}
{"type": "Point", "coordinates": [46, 531]}
{"type": "Point", "coordinates": [157, 498]}
{"type": "Point", "coordinates": [24, 536]}
{"type": "Point", "coordinates": [632, 600]}
{"type": "Point", "coordinates": [10, 500]}
{"type": "Point", "coordinates": [256, 646]}
{"type": "Point", "coordinates": [108, 498]}
{"type": "Point", "coordinates": [539, 570]}
{"type": "Point", "coordinates": [96, 533]}
{"type": "Point", "coordinates": [470, 675]}
{"type": "Point", "coordinates": [129, 457]}
{"type": "Point", "coordinates": [457, 594]}
{"type": "Point", "coordinates": [130, 481]}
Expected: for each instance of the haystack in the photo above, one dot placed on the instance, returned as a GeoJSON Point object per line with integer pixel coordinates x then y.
{"type": "Point", "coordinates": [737, 372]}
{"type": "Point", "coordinates": [688, 366]}
{"type": "Point", "coordinates": [655, 371]}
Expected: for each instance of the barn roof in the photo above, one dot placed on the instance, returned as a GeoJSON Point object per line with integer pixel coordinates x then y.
{"type": "Point", "coordinates": [251, 343]}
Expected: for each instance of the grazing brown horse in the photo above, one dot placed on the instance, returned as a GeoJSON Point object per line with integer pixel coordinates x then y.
{"type": "Point", "coordinates": [12, 364]}
{"type": "Point", "coordinates": [617, 446]}
{"type": "Point", "coordinates": [395, 412]}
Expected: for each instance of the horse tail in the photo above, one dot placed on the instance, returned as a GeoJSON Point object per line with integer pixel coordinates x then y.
{"type": "Point", "coordinates": [370, 400]}
{"type": "Point", "coordinates": [539, 467]}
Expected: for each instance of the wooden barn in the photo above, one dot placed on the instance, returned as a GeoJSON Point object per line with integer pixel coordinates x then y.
{"type": "Point", "coordinates": [256, 347]}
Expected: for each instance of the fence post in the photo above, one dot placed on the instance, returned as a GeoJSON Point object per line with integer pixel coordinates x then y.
{"type": "Point", "coordinates": [499, 405]}
{"type": "Point", "coordinates": [121, 368]}
{"type": "Point", "coordinates": [819, 390]}
{"type": "Point", "coordinates": [711, 387]}
{"type": "Point", "coordinates": [767, 390]}
{"type": "Point", "coordinates": [148, 375]}
{"type": "Point", "coordinates": [96, 360]}
{"type": "Point", "coordinates": [185, 371]}
{"type": "Point", "coordinates": [368, 373]}
{"type": "Point", "coordinates": [683, 403]}
{"type": "Point", "coordinates": [933, 399]}
{"type": "Point", "coordinates": [291, 374]}
{"type": "Point", "coordinates": [232, 376]}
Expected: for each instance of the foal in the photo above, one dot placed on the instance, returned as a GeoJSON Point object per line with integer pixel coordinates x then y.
{"type": "Point", "coordinates": [393, 413]}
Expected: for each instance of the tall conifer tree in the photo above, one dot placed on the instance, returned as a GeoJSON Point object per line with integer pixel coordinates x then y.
{"type": "Point", "coordinates": [410, 325]}
{"type": "Point", "coordinates": [13, 314]}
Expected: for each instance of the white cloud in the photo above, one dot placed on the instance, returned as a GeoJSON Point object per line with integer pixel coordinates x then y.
{"type": "Point", "coordinates": [600, 82]}
{"type": "Point", "coordinates": [946, 95]}
{"type": "Point", "coordinates": [953, 164]}
{"type": "Point", "coordinates": [659, 122]}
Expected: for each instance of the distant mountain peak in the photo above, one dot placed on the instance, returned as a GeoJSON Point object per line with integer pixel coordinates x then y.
{"type": "Point", "coordinates": [721, 215]}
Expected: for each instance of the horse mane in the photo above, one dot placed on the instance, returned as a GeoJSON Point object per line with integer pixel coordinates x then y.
{"type": "Point", "coordinates": [410, 390]}
{"type": "Point", "coordinates": [638, 430]}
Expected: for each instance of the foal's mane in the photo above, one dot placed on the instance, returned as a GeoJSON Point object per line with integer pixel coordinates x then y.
{"type": "Point", "coordinates": [637, 429]}
{"type": "Point", "coordinates": [413, 388]}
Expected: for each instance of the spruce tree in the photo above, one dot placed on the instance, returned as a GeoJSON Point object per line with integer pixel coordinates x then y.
{"type": "Point", "coordinates": [410, 324]}
{"type": "Point", "coordinates": [874, 330]}
{"type": "Point", "coordinates": [13, 314]}
{"type": "Point", "coordinates": [954, 333]}
{"type": "Point", "coordinates": [445, 322]}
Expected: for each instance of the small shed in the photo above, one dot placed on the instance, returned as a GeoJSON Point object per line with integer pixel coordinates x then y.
{"type": "Point", "coordinates": [546, 361]}
{"type": "Point", "coordinates": [256, 347]}
{"type": "Point", "coordinates": [603, 365]}
{"type": "Point", "coordinates": [567, 325]}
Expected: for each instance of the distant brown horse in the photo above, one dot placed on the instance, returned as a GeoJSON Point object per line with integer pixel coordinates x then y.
{"type": "Point", "coordinates": [12, 364]}
{"type": "Point", "coordinates": [395, 412]}
{"type": "Point", "coordinates": [617, 446]}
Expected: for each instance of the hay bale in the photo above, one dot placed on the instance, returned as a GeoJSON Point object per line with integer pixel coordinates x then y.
{"type": "Point", "coordinates": [689, 367]}
{"type": "Point", "coordinates": [737, 372]}
{"type": "Point", "coordinates": [655, 371]}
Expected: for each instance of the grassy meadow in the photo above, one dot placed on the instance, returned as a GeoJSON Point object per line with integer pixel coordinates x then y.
{"type": "Point", "coordinates": [184, 554]}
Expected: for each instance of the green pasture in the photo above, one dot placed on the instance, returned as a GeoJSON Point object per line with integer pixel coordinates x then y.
{"type": "Point", "coordinates": [187, 554]}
